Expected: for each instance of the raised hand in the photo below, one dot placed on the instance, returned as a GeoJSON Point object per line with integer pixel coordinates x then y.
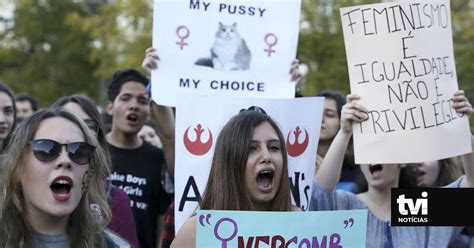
{"type": "Point", "coordinates": [296, 75]}
{"type": "Point", "coordinates": [352, 112]}
{"type": "Point", "coordinates": [461, 103]}
{"type": "Point", "coordinates": [150, 62]}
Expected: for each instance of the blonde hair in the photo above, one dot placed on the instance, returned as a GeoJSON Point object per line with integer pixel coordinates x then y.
{"type": "Point", "coordinates": [83, 229]}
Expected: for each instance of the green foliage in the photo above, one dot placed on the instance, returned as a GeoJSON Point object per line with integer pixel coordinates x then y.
{"type": "Point", "coordinates": [47, 56]}
{"type": "Point", "coordinates": [62, 47]}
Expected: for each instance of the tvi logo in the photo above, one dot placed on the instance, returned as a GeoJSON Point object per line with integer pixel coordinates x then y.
{"type": "Point", "coordinates": [414, 206]}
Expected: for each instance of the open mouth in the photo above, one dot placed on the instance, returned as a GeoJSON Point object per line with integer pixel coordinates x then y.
{"type": "Point", "coordinates": [61, 188]}
{"type": "Point", "coordinates": [132, 118]}
{"type": "Point", "coordinates": [375, 168]}
{"type": "Point", "coordinates": [265, 179]}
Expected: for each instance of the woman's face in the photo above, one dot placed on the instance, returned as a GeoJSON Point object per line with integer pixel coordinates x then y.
{"type": "Point", "coordinates": [53, 189]}
{"type": "Point", "coordinates": [264, 166]}
{"type": "Point", "coordinates": [148, 134]}
{"type": "Point", "coordinates": [427, 174]}
{"type": "Point", "coordinates": [79, 111]}
{"type": "Point", "coordinates": [331, 120]}
{"type": "Point", "coordinates": [6, 115]}
{"type": "Point", "coordinates": [381, 176]}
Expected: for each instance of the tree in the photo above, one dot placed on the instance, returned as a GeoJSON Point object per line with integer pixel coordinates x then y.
{"type": "Point", "coordinates": [47, 54]}
{"type": "Point", "coordinates": [58, 48]}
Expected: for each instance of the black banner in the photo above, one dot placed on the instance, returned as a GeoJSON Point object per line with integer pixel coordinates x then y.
{"type": "Point", "coordinates": [433, 207]}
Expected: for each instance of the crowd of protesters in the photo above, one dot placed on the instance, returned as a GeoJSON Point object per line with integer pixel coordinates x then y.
{"type": "Point", "coordinates": [79, 196]}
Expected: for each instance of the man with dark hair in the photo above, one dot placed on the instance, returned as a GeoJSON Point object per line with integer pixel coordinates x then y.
{"type": "Point", "coordinates": [136, 164]}
{"type": "Point", "coordinates": [26, 105]}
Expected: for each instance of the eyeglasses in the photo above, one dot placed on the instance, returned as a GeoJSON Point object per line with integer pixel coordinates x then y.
{"type": "Point", "coordinates": [92, 125]}
{"type": "Point", "coordinates": [47, 150]}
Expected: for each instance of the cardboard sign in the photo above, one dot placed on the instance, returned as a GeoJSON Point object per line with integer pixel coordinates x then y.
{"type": "Point", "coordinates": [401, 63]}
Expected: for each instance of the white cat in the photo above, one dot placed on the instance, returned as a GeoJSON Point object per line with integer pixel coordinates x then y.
{"type": "Point", "coordinates": [229, 51]}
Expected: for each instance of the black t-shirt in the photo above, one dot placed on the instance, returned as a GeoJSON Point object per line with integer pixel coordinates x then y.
{"type": "Point", "coordinates": [138, 173]}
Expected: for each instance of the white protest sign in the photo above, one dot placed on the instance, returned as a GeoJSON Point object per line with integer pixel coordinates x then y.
{"type": "Point", "coordinates": [401, 63]}
{"type": "Point", "coordinates": [231, 48]}
{"type": "Point", "coordinates": [199, 120]}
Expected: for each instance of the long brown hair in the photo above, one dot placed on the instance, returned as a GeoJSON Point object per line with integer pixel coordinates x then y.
{"type": "Point", "coordinates": [84, 228]}
{"type": "Point", "coordinates": [225, 190]}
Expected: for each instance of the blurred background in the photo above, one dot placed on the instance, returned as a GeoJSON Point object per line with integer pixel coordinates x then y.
{"type": "Point", "coordinates": [51, 48]}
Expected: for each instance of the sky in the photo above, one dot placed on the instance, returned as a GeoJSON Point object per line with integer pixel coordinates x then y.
{"type": "Point", "coordinates": [6, 8]}
{"type": "Point", "coordinates": [6, 12]}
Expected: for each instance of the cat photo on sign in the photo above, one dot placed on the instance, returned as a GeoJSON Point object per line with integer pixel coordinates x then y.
{"type": "Point", "coordinates": [229, 51]}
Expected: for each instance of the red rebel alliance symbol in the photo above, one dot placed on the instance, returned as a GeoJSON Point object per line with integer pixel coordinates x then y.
{"type": "Point", "coordinates": [296, 149]}
{"type": "Point", "coordinates": [197, 147]}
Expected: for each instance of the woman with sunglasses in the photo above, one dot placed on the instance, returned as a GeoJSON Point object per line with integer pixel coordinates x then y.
{"type": "Point", "coordinates": [51, 172]}
{"type": "Point", "coordinates": [122, 222]}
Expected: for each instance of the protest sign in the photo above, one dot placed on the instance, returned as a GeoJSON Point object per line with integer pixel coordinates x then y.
{"type": "Point", "coordinates": [401, 63]}
{"type": "Point", "coordinates": [231, 48]}
{"type": "Point", "coordinates": [343, 228]}
{"type": "Point", "coordinates": [199, 120]}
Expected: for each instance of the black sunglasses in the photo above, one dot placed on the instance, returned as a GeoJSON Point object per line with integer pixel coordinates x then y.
{"type": "Point", "coordinates": [92, 125]}
{"type": "Point", "coordinates": [47, 150]}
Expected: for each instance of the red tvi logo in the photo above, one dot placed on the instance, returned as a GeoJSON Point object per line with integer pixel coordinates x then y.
{"type": "Point", "coordinates": [295, 149]}
{"type": "Point", "coordinates": [197, 147]}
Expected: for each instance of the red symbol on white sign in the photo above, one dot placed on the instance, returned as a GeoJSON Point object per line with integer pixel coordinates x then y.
{"type": "Point", "coordinates": [295, 149]}
{"type": "Point", "coordinates": [197, 147]}
{"type": "Point", "coordinates": [183, 33]}
{"type": "Point", "coordinates": [271, 40]}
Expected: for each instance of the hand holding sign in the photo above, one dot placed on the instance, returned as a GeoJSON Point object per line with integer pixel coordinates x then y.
{"type": "Point", "coordinates": [150, 62]}
{"type": "Point", "coordinates": [224, 48]}
{"type": "Point", "coordinates": [405, 82]}
{"type": "Point", "coordinates": [352, 112]}
{"type": "Point", "coordinates": [461, 103]}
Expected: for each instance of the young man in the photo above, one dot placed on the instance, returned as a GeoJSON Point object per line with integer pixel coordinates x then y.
{"type": "Point", "coordinates": [26, 105]}
{"type": "Point", "coordinates": [136, 164]}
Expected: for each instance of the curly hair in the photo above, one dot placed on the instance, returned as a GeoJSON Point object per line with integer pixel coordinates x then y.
{"type": "Point", "coordinates": [84, 229]}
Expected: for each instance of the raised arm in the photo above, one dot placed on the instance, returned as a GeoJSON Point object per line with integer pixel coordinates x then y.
{"type": "Point", "coordinates": [330, 169]}
{"type": "Point", "coordinates": [461, 105]}
{"type": "Point", "coordinates": [163, 115]}
{"type": "Point", "coordinates": [165, 120]}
